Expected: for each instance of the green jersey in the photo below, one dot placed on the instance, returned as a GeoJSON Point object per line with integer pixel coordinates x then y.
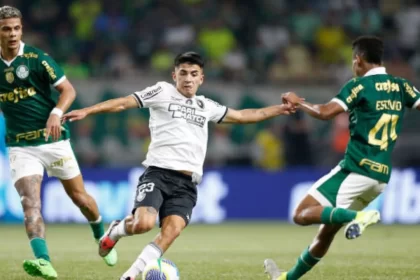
{"type": "Point", "coordinates": [26, 97]}
{"type": "Point", "coordinates": [376, 103]}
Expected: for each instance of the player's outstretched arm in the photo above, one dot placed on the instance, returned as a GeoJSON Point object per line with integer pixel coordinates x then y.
{"type": "Point", "coordinates": [67, 96]}
{"type": "Point", "coordinates": [110, 106]}
{"type": "Point", "coordinates": [319, 111]}
{"type": "Point", "coordinates": [256, 115]}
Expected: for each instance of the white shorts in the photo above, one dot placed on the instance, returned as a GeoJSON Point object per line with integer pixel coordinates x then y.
{"type": "Point", "coordinates": [344, 189]}
{"type": "Point", "coordinates": [57, 158]}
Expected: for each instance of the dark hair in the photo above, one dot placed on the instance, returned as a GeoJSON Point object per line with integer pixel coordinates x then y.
{"type": "Point", "coordinates": [371, 48]}
{"type": "Point", "coordinates": [189, 57]}
{"type": "Point", "coordinates": [9, 12]}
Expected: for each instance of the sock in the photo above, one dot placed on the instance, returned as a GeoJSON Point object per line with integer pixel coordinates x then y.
{"type": "Point", "coordinates": [118, 231]}
{"type": "Point", "coordinates": [97, 228]}
{"type": "Point", "coordinates": [304, 263]}
{"type": "Point", "coordinates": [332, 215]}
{"type": "Point", "coordinates": [40, 249]}
{"type": "Point", "coordinates": [149, 253]}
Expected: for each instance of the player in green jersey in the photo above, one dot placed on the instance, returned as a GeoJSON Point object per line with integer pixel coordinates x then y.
{"type": "Point", "coordinates": [376, 102]}
{"type": "Point", "coordinates": [35, 137]}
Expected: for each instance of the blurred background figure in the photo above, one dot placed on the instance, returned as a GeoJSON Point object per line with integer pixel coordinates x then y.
{"type": "Point", "coordinates": [265, 47]}
{"type": "Point", "coordinates": [254, 51]}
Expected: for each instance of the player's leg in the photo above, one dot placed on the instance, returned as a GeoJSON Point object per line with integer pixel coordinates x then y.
{"type": "Point", "coordinates": [61, 163]}
{"type": "Point", "coordinates": [171, 228]}
{"type": "Point", "coordinates": [174, 215]}
{"type": "Point", "coordinates": [143, 220]}
{"type": "Point", "coordinates": [317, 206]}
{"type": "Point", "coordinates": [309, 257]}
{"type": "Point", "coordinates": [147, 203]}
{"type": "Point", "coordinates": [27, 172]}
{"type": "Point", "coordinates": [75, 189]}
{"type": "Point", "coordinates": [354, 192]}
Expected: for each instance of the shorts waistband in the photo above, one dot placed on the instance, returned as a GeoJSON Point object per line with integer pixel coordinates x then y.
{"type": "Point", "coordinates": [173, 172]}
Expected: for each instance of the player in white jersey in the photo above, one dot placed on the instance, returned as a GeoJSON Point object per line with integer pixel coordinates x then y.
{"type": "Point", "coordinates": [179, 132]}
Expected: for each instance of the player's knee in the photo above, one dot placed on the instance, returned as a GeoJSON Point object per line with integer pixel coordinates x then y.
{"type": "Point", "coordinates": [143, 226]}
{"type": "Point", "coordinates": [172, 231]}
{"type": "Point", "coordinates": [30, 203]}
{"type": "Point", "coordinates": [299, 218]}
{"type": "Point", "coordinates": [80, 199]}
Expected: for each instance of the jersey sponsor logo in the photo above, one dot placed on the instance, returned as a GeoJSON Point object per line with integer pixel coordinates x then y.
{"type": "Point", "coordinates": [187, 113]}
{"type": "Point", "coordinates": [375, 166]}
{"type": "Point", "coordinates": [17, 94]}
{"type": "Point", "coordinates": [189, 102]}
{"type": "Point", "coordinates": [409, 90]}
{"type": "Point", "coordinates": [10, 77]}
{"type": "Point", "coordinates": [22, 72]}
{"type": "Point", "coordinates": [30, 55]}
{"type": "Point", "coordinates": [61, 162]}
{"type": "Point", "coordinates": [49, 69]}
{"type": "Point", "coordinates": [151, 93]}
{"type": "Point", "coordinates": [354, 92]}
{"type": "Point", "coordinates": [387, 86]}
{"type": "Point", "coordinates": [388, 105]}
{"type": "Point", "coordinates": [33, 135]}
{"type": "Point", "coordinates": [143, 189]}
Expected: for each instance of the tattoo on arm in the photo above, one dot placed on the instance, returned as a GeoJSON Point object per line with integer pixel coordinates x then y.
{"type": "Point", "coordinates": [151, 210]}
{"type": "Point", "coordinates": [263, 113]}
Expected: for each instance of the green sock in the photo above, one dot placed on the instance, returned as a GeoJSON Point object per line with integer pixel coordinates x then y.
{"type": "Point", "coordinates": [97, 228]}
{"type": "Point", "coordinates": [40, 249]}
{"type": "Point", "coordinates": [304, 263]}
{"type": "Point", "coordinates": [332, 215]}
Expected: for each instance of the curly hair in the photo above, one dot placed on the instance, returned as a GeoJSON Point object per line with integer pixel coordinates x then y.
{"type": "Point", "coordinates": [9, 12]}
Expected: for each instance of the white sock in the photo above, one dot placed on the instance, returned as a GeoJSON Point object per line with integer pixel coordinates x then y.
{"type": "Point", "coordinates": [118, 231]}
{"type": "Point", "coordinates": [97, 221]}
{"type": "Point", "coordinates": [149, 253]}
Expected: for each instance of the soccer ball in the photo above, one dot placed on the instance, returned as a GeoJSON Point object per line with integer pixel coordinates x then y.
{"type": "Point", "coordinates": [160, 269]}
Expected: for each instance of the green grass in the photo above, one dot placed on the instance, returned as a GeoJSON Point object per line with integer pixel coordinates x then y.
{"type": "Point", "coordinates": [225, 252]}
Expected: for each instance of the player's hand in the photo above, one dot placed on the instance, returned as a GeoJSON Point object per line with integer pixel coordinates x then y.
{"type": "Point", "coordinates": [291, 98]}
{"type": "Point", "coordinates": [75, 115]}
{"type": "Point", "coordinates": [287, 109]}
{"type": "Point", "coordinates": [53, 127]}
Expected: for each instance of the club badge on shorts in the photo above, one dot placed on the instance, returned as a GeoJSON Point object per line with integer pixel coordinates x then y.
{"type": "Point", "coordinates": [22, 72]}
{"type": "Point", "coordinates": [10, 77]}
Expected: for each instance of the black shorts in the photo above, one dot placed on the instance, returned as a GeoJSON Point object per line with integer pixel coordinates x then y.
{"type": "Point", "coordinates": [169, 192]}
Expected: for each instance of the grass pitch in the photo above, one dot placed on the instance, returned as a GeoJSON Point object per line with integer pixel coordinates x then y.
{"type": "Point", "coordinates": [232, 251]}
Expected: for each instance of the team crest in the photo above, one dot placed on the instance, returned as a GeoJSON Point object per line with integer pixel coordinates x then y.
{"type": "Point", "coordinates": [10, 77]}
{"type": "Point", "coordinates": [200, 103]}
{"type": "Point", "coordinates": [22, 72]}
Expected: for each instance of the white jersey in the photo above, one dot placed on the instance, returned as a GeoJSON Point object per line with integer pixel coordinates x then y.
{"type": "Point", "coordinates": [178, 127]}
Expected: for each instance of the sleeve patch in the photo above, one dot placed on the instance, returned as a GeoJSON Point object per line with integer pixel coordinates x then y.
{"type": "Point", "coordinates": [151, 93]}
{"type": "Point", "coordinates": [354, 92]}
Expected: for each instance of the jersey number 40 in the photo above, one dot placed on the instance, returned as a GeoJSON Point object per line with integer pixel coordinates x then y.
{"type": "Point", "coordinates": [386, 121]}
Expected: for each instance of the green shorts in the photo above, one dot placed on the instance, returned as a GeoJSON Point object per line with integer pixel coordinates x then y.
{"type": "Point", "coordinates": [345, 189]}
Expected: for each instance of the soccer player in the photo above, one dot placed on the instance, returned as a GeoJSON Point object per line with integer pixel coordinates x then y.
{"type": "Point", "coordinates": [35, 137]}
{"type": "Point", "coordinates": [376, 102]}
{"type": "Point", "coordinates": [179, 131]}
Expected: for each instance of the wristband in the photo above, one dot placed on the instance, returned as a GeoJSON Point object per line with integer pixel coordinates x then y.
{"type": "Point", "coordinates": [57, 111]}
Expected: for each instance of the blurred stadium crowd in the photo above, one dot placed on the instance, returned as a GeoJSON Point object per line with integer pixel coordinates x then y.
{"type": "Point", "coordinates": [253, 42]}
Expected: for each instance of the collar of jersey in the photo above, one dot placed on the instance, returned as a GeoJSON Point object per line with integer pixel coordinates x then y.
{"type": "Point", "coordinates": [376, 71]}
{"type": "Point", "coordinates": [20, 52]}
